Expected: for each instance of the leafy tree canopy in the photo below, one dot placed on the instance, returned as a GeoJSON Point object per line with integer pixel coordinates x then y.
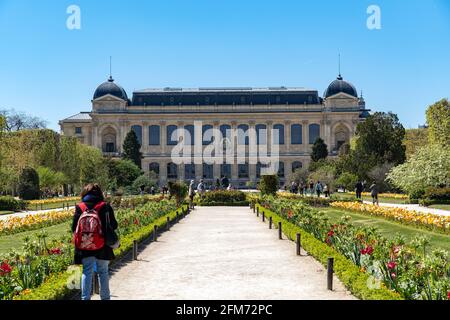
{"type": "Point", "coordinates": [319, 150]}
{"type": "Point", "coordinates": [438, 119]}
{"type": "Point", "coordinates": [131, 149]}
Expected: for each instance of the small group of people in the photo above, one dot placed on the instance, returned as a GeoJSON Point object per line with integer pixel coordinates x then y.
{"type": "Point", "coordinates": [310, 188]}
{"type": "Point", "coordinates": [200, 189]}
{"type": "Point", "coordinates": [374, 191]}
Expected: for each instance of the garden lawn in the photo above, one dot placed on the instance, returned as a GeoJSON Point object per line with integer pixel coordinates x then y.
{"type": "Point", "coordinates": [15, 241]}
{"type": "Point", "coordinates": [48, 206]}
{"type": "Point", "coordinates": [365, 198]}
{"type": "Point", "coordinates": [2, 213]}
{"type": "Point", "coordinates": [441, 206]}
{"type": "Point", "coordinates": [389, 229]}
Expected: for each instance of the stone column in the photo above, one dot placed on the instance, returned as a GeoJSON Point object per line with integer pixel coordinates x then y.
{"type": "Point", "coordinates": [287, 139]}
{"type": "Point", "coordinates": [163, 136]}
{"type": "Point", "coordinates": [145, 137]}
{"type": "Point", "coordinates": [163, 172]}
{"type": "Point", "coordinates": [305, 136]}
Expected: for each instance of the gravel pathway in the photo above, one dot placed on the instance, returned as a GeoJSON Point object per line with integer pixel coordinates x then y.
{"type": "Point", "coordinates": [222, 253]}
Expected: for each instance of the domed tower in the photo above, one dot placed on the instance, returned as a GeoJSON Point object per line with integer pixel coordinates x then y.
{"type": "Point", "coordinates": [109, 96]}
{"type": "Point", "coordinates": [341, 94]}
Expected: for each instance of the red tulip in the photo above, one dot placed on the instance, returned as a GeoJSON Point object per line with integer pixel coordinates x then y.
{"type": "Point", "coordinates": [391, 265]}
{"type": "Point", "coordinates": [448, 295]}
{"type": "Point", "coordinates": [55, 251]}
{"type": "Point", "coordinates": [393, 275]}
{"type": "Point", "coordinates": [5, 268]}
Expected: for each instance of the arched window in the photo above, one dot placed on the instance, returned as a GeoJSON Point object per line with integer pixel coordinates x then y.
{"type": "Point", "coordinates": [243, 135]}
{"type": "Point", "coordinates": [208, 171]}
{"type": "Point", "coordinates": [189, 135]}
{"type": "Point", "coordinates": [170, 131]}
{"type": "Point", "coordinates": [314, 133]}
{"type": "Point", "coordinates": [243, 171]}
{"type": "Point", "coordinates": [189, 171]}
{"type": "Point", "coordinates": [296, 134]}
{"type": "Point", "coordinates": [154, 135]}
{"type": "Point", "coordinates": [225, 131]}
{"type": "Point", "coordinates": [154, 167]}
{"type": "Point", "coordinates": [261, 134]}
{"type": "Point", "coordinates": [172, 171]}
{"type": "Point", "coordinates": [109, 140]}
{"type": "Point", "coordinates": [207, 134]}
{"type": "Point", "coordinates": [296, 165]}
{"type": "Point", "coordinates": [138, 131]}
{"type": "Point", "coordinates": [281, 169]}
{"type": "Point", "coordinates": [280, 134]}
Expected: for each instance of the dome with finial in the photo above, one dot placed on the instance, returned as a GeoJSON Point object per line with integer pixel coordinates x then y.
{"type": "Point", "coordinates": [109, 87]}
{"type": "Point", "coordinates": [340, 86]}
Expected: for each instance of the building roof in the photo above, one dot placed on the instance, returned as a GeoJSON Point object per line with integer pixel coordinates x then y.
{"type": "Point", "coordinates": [80, 117]}
{"type": "Point", "coordinates": [340, 86]}
{"type": "Point", "coordinates": [225, 96]}
{"type": "Point", "coordinates": [109, 87]}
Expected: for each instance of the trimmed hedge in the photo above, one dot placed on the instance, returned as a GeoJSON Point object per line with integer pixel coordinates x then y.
{"type": "Point", "coordinates": [11, 204]}
{"type": "Point", "coordinates": [223, 198]}
{"type": "Point", "coordinates": [55, 287]}
{"type": "Point", "coordinates": [224, 204]}
{"type": "Point", "coordinates": [350, 275]}
{"type": "Point", "coordinates": [428, 202]}
{"type": "Point", "coordinates": [437, 194]}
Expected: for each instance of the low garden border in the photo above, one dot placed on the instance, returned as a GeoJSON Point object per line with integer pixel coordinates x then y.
{"type": "Point", "coordinates": [351, 276]}
{"type": "Point", "coordinates": [56, 288]}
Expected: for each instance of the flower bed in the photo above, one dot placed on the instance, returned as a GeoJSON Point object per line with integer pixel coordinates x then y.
{"type": "Point", "coordinates": [430, 221]}
{"type": "Point", "coordinates": [40, 261]}
{"type": "Point", "coordinates": [30, 222]}
{"type": "Point", "coordinates": [370, 259]}
{"type": "Point", "coordinates": [53, 200]}
{"type": "Point", "coordinates": [386, 195]}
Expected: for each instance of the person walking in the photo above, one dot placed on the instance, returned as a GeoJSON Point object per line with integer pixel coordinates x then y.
{"type": "Point", "coordinates": [359, 189]}
{"type": "Point", "coordinates": [201, 188]}
{"type": "Point", "coordinates": [191, 194]}
{"type": "Point", "coordinates": [319, 189]}
{"type": "Point", "coordinates": [374, 193]}
{"type": "Point", "coordinates": [93, 226]}
{"type": "Point", "coordinates": [326, 191]}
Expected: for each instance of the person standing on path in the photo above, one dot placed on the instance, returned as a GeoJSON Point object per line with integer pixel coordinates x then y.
{"type": "Point", "coordinates": [191, 194]}
{"type": "Point", "coordinates": [319, 189]}
{"type": "Point", "coordinates": [374, 193]}
{"type": "Point", "coordinates": [91, 249]}
{"type": "Point", "coordinates": [201, 188]}
{"type": "Point", "coordinates": [359, 189]}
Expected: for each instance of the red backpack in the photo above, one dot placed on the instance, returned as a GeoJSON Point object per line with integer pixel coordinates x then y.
{"type": "Point", "coordinates": [88, 234]}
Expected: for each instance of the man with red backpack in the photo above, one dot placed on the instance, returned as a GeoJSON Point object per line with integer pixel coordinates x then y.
{"type": "Point", "coordinates": [93, 224]}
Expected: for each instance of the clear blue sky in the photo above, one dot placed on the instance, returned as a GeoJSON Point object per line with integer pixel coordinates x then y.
{"type": "Point", "coordinates": [52, 72]}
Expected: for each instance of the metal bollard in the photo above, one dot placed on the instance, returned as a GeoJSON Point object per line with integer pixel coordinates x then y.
{"type": "Point", "coordinates": [135, 250]}
{"type": "Point", "coordinates": [168, 224]}
{"type": "Point", "coordinates": [257, 212]}
{"type": "Point", "coordinates": [280, 231]}
{"type": "Point", "coordinates": [270, 222]}
{"type": "Point", "coordinates": [330, 271]}
{"type": "Point", "coordinates": [264, 217]}
{"type": "Point", "coordinates": [298, 244]}
{"type": "Point", "coordinates": [155, 233]}
{"type": "Point", "coordinates": [254, 208]}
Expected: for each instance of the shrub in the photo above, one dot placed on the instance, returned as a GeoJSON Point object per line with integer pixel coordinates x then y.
{"type": "Point", "coordinates": [437, 194]}
{"type": "Point", "coordinates": [29, 184]}
{"type": "Point", "coordinates": [144, 181]}
{"type": "Point", "coordinates": [224, 198]}
{"type": "Point", "coordinates": [178, 190]}
{"type": "Point", "coordinates": [269, 184]}
{"type": "Point", "coordinates": [11, 204]}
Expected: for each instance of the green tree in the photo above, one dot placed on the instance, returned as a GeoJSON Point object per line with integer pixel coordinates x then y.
{"type": "Point", "coordinates": [415, 139]}
{"type": "Point", "coordinates": [269, 184]}
{"type": "Point", "coordinates": [347, 180]}
{"type": "Point", "coordinates": [319, 150]}
{"type": "Point", "coordinates": [326, 175]}
{"type": "Point", "coordinates": [300, 175]}
{"type": "Point", "coordinates": [438, 119]}
{"type": "Point", "coordinates": [146, 181]}
{"type": "Point", "coordinates": [132, 149]}
{"type": "Point", "coordinates": [379, 141]}
{"type": "Point", "coordinates": [28, 187]}
{"type": "Point", "coordinates": [124, 171]}
{"type": "Point", "coordinates": [50, 179]}
{"type": "Point", "coordinates": [93, 168]}
{"type": "Point", "coordinates": [428, 167]}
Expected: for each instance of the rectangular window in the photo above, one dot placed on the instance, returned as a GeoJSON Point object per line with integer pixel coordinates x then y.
{"type": "Point", "coordinates": [296, 134]}
{"type": "Point", "coordinates": [154, 136]}
{"type": "Point", "coordinates": [78, 130]}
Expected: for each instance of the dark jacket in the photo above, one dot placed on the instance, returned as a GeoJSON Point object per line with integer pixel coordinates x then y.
{"type": "Point", "coordinates": [106, 253]}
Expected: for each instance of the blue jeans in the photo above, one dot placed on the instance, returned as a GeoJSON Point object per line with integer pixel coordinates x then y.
{"type": "Point", "coordinates": [90, 265]}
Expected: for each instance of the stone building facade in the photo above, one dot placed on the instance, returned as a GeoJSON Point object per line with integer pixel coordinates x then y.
{"type": "Point", "coordinates": [300, 115]}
